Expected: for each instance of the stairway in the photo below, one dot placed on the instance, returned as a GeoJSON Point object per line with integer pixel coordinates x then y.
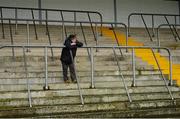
{"type": "Point", "coordinates": [147, 54]}
{"type": "Point", "coordinates": [150, 97]}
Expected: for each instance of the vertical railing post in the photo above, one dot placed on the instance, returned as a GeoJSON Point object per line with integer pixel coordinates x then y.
{"type": "Point", "coordinates": [170, 27]}
{"type": "Point", "coordinates": [146, 27]}
{"type": "Point", "coordinates": [75, 19]}
{"type": "Point", "coordinates": [28, 36]}
{"type": "Point", "coordinates": [85, 41]}
{"type": "Point", "coordinates": [170, 69]}
{"type": "Point", "coordinates": [16, 17]}
{"type": "Point", "coordinates": [2, 24]}
{"type": "Point", "coordinates": [101, 20]}
{"type": "Point", "coordinates": [133, 68]}
{"type": "Point", "coordinates": [78, 83]}
{"type": "Point", "coordinates": [175, 22]}
{"type": "Point", "coordinates": [34, 24]}
{"type": "Point", "coordinates": [90, 21]}
{"type": "Point", "coordinates": [64, 31]}
{"type": "Point", "coordinates": [116, 38]}
{"type": "Point", "coordinates": [92, 68]}
{"type": "Point", "coordinates": [153, 31]}
{"type": "Point", "coordinates": [97, 36]}
{"type": "Point", "coordinates": [46, 87]}
{"type": "Point", "coordinates": [16, 22]}
{"type": "Point", "coordinates": [46, 14]}
{"type": "Point", "coordinates": [129, 17]}
{"type": "Point", "coordinates": [120, 73]}
{"type": "Point", "coordinates": [176, 32]}
{"type": "Point", "coordinates": [12, 40]}
{"type": "Point", "coordinates": [27, 78]}
{"type": "Point", "coordinates": [126, 30]}
{"type": "Point", "coordinates": [162, 75]}
{"type": "Point", "coordinates": [158, 39]}
{"type": "Point", "coordinates": [49, 39]}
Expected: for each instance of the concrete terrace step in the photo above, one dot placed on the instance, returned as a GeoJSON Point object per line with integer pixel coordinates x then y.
{"type": "Point", "coordinates": [78, 62]}
{"type": "Point", "coordinates": [83, 84]}
{"type": "Point", "coordinates": [79, 68]}
{"type": "Point", "coordinates": [40, 52]}
{"type": "Point", "coordinates": [81, 73]}
{"type": "Point", "coordinates": [88, 92]}
{"type": "Point", "coordinates": [40, 80]}
{"type": "Point", "coordinates": [123, 109]}
{"type": "Point", "coordinates": [87, 99]}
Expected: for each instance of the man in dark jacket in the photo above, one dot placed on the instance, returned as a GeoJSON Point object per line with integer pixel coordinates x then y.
{"type": "Point", "coordinates": [67, 57]}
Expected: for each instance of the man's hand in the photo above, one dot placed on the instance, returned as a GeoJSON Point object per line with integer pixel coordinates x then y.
{"type": "Point", "coordinates": [73, 43]}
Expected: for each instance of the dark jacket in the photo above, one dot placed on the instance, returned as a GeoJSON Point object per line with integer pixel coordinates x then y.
{"type": "Point", "coordinates": [65, 55]}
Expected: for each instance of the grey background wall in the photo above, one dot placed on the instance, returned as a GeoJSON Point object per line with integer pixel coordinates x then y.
{"type": "Point", "coordinates": [106, 7]}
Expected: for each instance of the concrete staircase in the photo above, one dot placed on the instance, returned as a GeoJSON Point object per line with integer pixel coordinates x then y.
{"type": "Point", "coordinates": [166, 39]}
{"type": "Point", "coordinates": [150, 97]}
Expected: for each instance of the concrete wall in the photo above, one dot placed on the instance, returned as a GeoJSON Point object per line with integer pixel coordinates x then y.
{"type": "Point", "coordinates": [124, 8]}
{"type": "Point", "coordinates": [147, 6]}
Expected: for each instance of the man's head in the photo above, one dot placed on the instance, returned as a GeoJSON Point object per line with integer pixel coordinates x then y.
{"type": "Point", "coordinates": [73, 38]}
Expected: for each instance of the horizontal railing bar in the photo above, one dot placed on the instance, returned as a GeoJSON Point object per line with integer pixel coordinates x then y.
{"type": "Point", "coordinates": [153, 14]}
{"type": "Point", "coordinates": [158, 32]}
{"type": "Point", "coordinates": [148, 14]}
{"type": "Point", "coordinates": [122, 47]}
{"type": "Point", "coordinates": [161, 25]}
{"type": "Point", "coordinates": [44, 20]}
{"type": "Point", "coordinates": [53, 46]}
{"type": "Point", "coordinates": [84, 11]}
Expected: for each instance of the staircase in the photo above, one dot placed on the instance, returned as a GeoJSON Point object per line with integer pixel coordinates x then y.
{"type": "Point", "coordinates": [150, 97]}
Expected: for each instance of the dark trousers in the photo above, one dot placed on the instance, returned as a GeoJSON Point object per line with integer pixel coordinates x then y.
{"type": "Point", "coordinates": [65, 71]}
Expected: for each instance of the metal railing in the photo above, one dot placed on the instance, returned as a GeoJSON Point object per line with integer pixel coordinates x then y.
{"type": "Point", "coordinates": [92, 24]}
{"type": "Point", "coordinates": [165, 16]}
{"type": "Point", "coordinates": [16, 9]}
{"type": "Point", "coordinates": [173, 29]}
{"type": "Point", "coordinates": [46, 86]}
{"type": "Point", "coordinates": [121, 75]}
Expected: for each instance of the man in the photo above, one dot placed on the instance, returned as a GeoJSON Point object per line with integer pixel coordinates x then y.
{"type": "Point", "coordinates": [67, 57]}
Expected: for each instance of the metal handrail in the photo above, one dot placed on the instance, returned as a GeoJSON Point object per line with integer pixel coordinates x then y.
{"type": "Point", "coordinates": [80, 22]}
{"type": "Point", "coordinates": [93, 31]}
{"type": "Point", "coordinates": [2, 24]}
{"type": "Point", "coordinates": [146, 27]}
{"type": "Point", "coordinates": [63, 26]}
{"type": "Point", "coordinates": [49, 38]}
{"type": "Point", "coordinates": [81, 11]}
{"type": "Point", "coordinates": [121, 75]}
{"type": "Point", "coordinates": [27, 78]}
{"type": "Point", "coordinates": [115, 35]}
{"type": "Point", "coordinates": [79, 89]}
{"type": "Point", "coordinates": [152, 15]}
{"type": "Point", "coordinates": [92, 67]}
{"type": "Point", "coordinates": [11, 36]}
{"type": "Point", "coordinates": [58, 10]}
{"type": "Point", "coordinates": [85, 41]}
{"type": "Point", "coordinates": [164, 25]}
{"type": "Point", "coordinates": [159, 68]}
{"type": "Point", "coordinates": [34, 24]}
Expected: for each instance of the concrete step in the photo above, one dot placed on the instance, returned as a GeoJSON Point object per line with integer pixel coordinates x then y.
{"type": "Point", "coordinates": [39, 52]}
{"type": "Point", "coordinates": [79, 67]}
{"type": "Point", "coordinates": [87, 92]}
{"type": "Point", "coordinates": [83, 84]}
{"type": "Point", "coordinates": [85, 79]}
{"type": "Point", "coordinates": [124, 109]}
{"type": "Point", "coordinates": [143, 113]}
{"type": "Point", "coordinates": [18, 74]}
{"type": "Point", "coordinates": [78, 62]}
{"type": "Point", "coordinates": [99, 99]}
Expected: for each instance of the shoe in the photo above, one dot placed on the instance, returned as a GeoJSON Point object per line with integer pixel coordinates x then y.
{"type": "Point", "coordinates": [74, 81]}
{"type": "Point", "coordinates": [67, 81]}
